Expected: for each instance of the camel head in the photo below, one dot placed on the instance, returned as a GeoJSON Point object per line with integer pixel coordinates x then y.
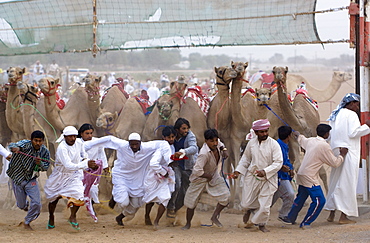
{"type": "Point", "coordinates": [239, 67]}
{"type": "Point", "coordinates": [263, 96]}
{"type": "Point", "coordinates": [92, 85]}
{"type": "Point", "coordinates": [28, 92]}
{"type": "Point", "coordinates": [178, 88]}
{"type": "Point", "coordinates": [224, 75]}
{"type": "Point", "coordinates": [15, 74]}
{"type": "Point", "coordinates": [280, 74]}
{"type": "Point", "coordinates": [48, 85]}
{"type": "Point", "coordinates": [341, 76]}
{"type": "Point", "coordinates": [165, 109]}
{"type": "Point", "coordinates": [106, 120]}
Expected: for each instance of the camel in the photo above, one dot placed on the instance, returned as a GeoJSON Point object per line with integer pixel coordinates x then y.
{"type": "Point", "coordinates": [165, 112]}
{"type": "Point", "coordinates": [5, 132]}
{"type": "Point", "coordinates": [27, 108]}
{"type": "Point", "coordinates": [320, 95]}
{"type": "Point", "coordinates": [13, 113]}
{"type": "Point", "coordinates": [76, 111]}
{"type": "Point", "coordinates": [303, 118]}
{"type": "Point", "coordinates": [219, 111]}
{"type": "Point", "coordinates": [110, 109]}
{"type": "Point", "coordinates": [92, 88]}
{"type": "Point", "coordinates": [132, 119]}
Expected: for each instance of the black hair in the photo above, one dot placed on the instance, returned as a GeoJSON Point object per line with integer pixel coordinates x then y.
{"type": "Point", "coordinates": [168, 130]}
{"type": "Point", "coordinates": [322, 129]}
{"type": "Point", "coordinates": [284, 132]}
{"type": "Point", "coordinates": [83, 128]}
{"type": "Point", "coordinates": [38, 134]}
{"type": "Point", "coordinates": [210, 134]}
{"type": "Point", "coordinates": [181, 121]}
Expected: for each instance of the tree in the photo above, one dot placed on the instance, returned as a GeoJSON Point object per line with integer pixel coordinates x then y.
{"type": "Point", "coordinates": [276, 58]}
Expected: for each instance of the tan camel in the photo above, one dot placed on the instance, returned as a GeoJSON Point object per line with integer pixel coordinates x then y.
{"type": "Point", "coordinates": [5, 132]}
{"type": "Point", "coordinates": [219, 111]}
{"type": "Point", "coordinates": [92, 88]}
{"type": "Point", "coordinates": [76, 111]}
{"type": "Point", "coordinates": [295, 118]}
{"type": "Point", "coordinates": [111, 107]}
{"type": "Point", "coordinates": [132, 119]}
{"type": "Point", "coordinates": [165, 112]}
{"type": "Point", "coordinates": [320, 95]}
{"type": "Point", "coordinates": [13, 113]}
{"type": "Point", "coordinates": [241, 121]}
{"type": "Point", "coordinates": [27, 108]}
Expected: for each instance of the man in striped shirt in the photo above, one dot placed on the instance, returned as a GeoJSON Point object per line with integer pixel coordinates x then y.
{"type": "Point", "coordinates": [29, 157]}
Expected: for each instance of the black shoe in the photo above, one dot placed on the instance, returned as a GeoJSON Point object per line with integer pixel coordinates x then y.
{"type": "Point", "coordinates": [285, 220]}
{"type": "Point", "coordinates": [112, 203]}
{"type": "Point", "coordinates": [119, 219]}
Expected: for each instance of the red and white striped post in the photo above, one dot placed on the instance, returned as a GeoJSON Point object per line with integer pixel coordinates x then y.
{"type": "Point", "coordinates": [360, 38]}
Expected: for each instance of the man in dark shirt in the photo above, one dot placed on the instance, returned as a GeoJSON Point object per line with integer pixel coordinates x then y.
{"type": "Point", "coordinates": [185, 145]}
{"type": "Point", "coordinates": [29, 157]}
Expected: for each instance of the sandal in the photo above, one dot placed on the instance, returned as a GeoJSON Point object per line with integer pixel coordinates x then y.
{"type": "Point", "coordinates": [49, 226]}
{"type": "Point", "coordinates": [74, 225]}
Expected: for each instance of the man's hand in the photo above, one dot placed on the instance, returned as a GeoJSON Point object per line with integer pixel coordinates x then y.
{"type": "Point", "coordinates": [38, 161]}
{"type": "Point", "coordinates": [291, 173]}
{"type": "Point", "coordinates": [343, 151]}
{"type": "Point", "coordinates": [92, 164]}
{"type": "Point", "coordinates": [9, 157]}
{"type": "Point", "coordinates": [235, 175]}
{"type": "Point", "coordinates": [224, 154]}
{"type": "Point", "coordinates": [260, 173]}
{"type": "Point", "coordinates": [14, 149]}
{"type": "Point", "coordinates": [208, 176]}
{"type": "Point", "coordinates": [177, 155]}
{"type": "Point", "coordinates": [285, 168]}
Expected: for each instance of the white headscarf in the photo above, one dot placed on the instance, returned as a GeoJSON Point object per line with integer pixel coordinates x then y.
{"type": "Point", "coordinates": [67, 131]}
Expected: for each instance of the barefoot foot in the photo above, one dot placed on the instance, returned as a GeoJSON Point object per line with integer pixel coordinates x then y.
{"type": "Point", "coordinates": [186, 227]}
{"type": "Point", "coordinates": [216, 222]}
{"type": "Point", "coordinates": [263, 228]}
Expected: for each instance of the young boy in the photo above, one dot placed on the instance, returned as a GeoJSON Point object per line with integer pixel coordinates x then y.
{"type": "Point", "coordinates": [285, 174]}
{"type": "Point", "coordinates": [160, 179]}
{"type": "Point", "coordinates": [206, 176]}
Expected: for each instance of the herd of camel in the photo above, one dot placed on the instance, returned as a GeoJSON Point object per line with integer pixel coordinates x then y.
{"type": "Point", "coordinates": [231, 113]}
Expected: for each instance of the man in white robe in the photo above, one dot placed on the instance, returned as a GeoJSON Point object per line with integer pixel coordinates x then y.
{"type": "Point", "coordinates": [129, 170]}
{"type": "Point", "coordinates": [66, 179]}
{"type": "Point", "coordinates": [261, 161]}
{"type": "Point", "coordinates": [160, 178]}
{"type": "Point", "coordinates": [346, 132]}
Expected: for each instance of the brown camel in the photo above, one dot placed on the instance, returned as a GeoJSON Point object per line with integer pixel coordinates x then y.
{"type": "Point", "coordinates": [13, 113]}
{"type": "Point", "coordinates": [219, 111]}
{"type": "Point", "coordinates": [111, 107]}
{"type": "Point", "coordinates": [76, 111]}
{"type": "Point", "coordinates": [5, 132]}
{"type": "Point", "coordinates": [165, 112]}
{"type": "Point", "coordinates": [295, 118]}
{"type": "Point", "coordinates": [132, 119]}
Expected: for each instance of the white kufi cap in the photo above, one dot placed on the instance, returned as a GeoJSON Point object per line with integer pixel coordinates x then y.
{"type": "Point", "coordinates": [134, 136]}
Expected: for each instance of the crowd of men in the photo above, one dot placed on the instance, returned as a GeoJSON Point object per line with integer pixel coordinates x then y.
{"type": "Point", "coordinates": [173, 173]}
